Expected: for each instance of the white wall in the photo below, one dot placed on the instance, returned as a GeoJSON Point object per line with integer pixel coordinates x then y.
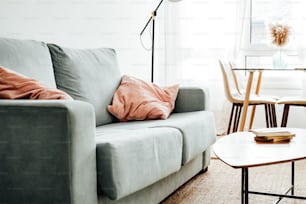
{"type": "Point", "coordinates": [83, 24]}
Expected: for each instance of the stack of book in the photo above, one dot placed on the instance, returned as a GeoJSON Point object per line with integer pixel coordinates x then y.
{"type": "Point", "coordinates": [272, 135]}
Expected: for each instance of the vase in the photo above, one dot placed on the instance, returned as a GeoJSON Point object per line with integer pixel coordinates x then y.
{"type": "Point", "coordinates": [279, 60]}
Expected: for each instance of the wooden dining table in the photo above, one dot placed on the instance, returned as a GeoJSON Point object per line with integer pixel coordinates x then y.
{"type": "Point", "coordinates": [251, 71]}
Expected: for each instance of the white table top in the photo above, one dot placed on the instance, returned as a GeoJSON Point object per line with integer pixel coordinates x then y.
{"type": "Point", "coordinates": [240, 149]}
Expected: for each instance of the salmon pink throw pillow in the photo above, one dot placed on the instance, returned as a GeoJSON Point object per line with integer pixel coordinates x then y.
{"type": "Point", "coordinates": [136, 99]}
{"type": "Point", "coordinates": [17, 86]}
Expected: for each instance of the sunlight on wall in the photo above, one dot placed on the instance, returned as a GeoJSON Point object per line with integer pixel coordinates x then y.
{"type": "Point", "coordinates": [204, 32]}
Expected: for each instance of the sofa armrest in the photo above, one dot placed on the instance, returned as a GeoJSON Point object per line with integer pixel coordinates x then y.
{"type": "Point", "coordinates": [191, 99]}
{"type": "Point", "coordinates": [47, 152]}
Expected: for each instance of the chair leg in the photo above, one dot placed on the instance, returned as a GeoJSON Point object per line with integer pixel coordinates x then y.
{"type": "Point", "coordinates": [273, 115]}
{"type": "Point", "coordinates": [252, 117]}
{"type": "Point", "coordinates": [267, 114]}
{"type": "Point", "coordinates": [237, 119]}
{"type": "Point", "coordinates": [236, 113]}
{"type": "Point", "coordinates": [285, 115]}
{"type": "Point", "coordinates": [270, 116]}
{"type": "Point", "coordinates": [230, 120]}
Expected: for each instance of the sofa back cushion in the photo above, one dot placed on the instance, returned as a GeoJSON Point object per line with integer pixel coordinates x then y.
{"type": "Point", "coordinates": [28, 57]}
{"type": "Point", "coordinates": [90, 75]}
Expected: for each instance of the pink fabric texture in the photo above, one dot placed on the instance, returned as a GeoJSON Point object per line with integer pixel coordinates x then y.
{"type": "Point", "coordinates": [16, 86]}
{"type": "Point", "coordinates": [136, 99]}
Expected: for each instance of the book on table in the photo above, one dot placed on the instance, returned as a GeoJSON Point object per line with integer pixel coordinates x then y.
{"type": "Point", "coordinates": [272, 135]}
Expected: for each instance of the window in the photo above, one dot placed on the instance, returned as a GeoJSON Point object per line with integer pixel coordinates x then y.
{"type": "Point", "coordinates": [264, 12]}
{"type": "Point", "coordinates": [258, 47]}
{"type": "Point", "coordinates": [258, 50]}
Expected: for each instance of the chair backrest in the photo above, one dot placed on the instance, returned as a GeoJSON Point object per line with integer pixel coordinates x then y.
{"type": "Point", "coordinates": [235, 78]}
{"type": "Point", "coordinates": [230, 86]}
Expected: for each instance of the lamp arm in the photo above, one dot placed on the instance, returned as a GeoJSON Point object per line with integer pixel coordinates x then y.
{"type": "Point", "coordinates": [146, 25]}
{"type": "Point", "coordinates": [152, 16]}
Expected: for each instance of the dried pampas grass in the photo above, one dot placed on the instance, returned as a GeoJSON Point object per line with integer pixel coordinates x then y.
{"type": "Point", "coordinates": [280, 34]}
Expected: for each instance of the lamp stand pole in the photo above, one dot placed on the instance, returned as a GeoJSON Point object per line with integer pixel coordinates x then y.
{"type": "Point", "coordinates": [153, 36]}
{"type": "Point", "coordinates": [152, 18]}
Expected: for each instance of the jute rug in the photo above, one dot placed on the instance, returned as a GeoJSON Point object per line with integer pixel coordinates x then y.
{"type": "Point", "coordinates": [221, 184]}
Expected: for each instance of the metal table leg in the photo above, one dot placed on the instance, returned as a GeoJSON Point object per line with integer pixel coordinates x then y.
{"type": "Point", "coordinates": [292, 178]}
{"type": "Point", "coordinates": [245, 186]}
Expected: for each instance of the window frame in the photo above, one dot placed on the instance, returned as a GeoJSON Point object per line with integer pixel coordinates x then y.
{"type": "Point", "coordinates": [257, 50]}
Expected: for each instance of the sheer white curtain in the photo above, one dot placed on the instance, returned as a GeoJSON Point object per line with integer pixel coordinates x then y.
{"type": "Point", "coordinates": [197, 34]}
{"type": "Point", "coordinates": [299, 20]}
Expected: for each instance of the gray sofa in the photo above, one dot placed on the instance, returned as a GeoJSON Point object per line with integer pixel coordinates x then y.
{"type": "Point", "coordinates": [61, 151]}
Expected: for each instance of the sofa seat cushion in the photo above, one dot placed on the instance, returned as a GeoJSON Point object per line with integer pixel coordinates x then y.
{"type": "Point", "coordinates": [130, 160]}
{"type": "Point", "coordinates": [197, 128]}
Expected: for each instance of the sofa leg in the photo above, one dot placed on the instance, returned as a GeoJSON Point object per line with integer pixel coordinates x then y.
{"type": "Point", "coordinates": [203, 170]}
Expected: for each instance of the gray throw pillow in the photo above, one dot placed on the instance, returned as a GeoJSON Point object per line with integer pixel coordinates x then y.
{"type": "Point", "coordinates": [90, 75]}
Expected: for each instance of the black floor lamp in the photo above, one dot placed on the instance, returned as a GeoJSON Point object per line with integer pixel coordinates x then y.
{"type": "Point", "coordinates": [152, 18]}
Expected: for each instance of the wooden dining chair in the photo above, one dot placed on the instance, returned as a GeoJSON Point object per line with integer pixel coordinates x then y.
{"type": "Point", "coordinates": [287, 102]}
{"type": "Point", "coordinates": [235, 97]}
{"type": "Point", "coordinates": [270, 123]}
